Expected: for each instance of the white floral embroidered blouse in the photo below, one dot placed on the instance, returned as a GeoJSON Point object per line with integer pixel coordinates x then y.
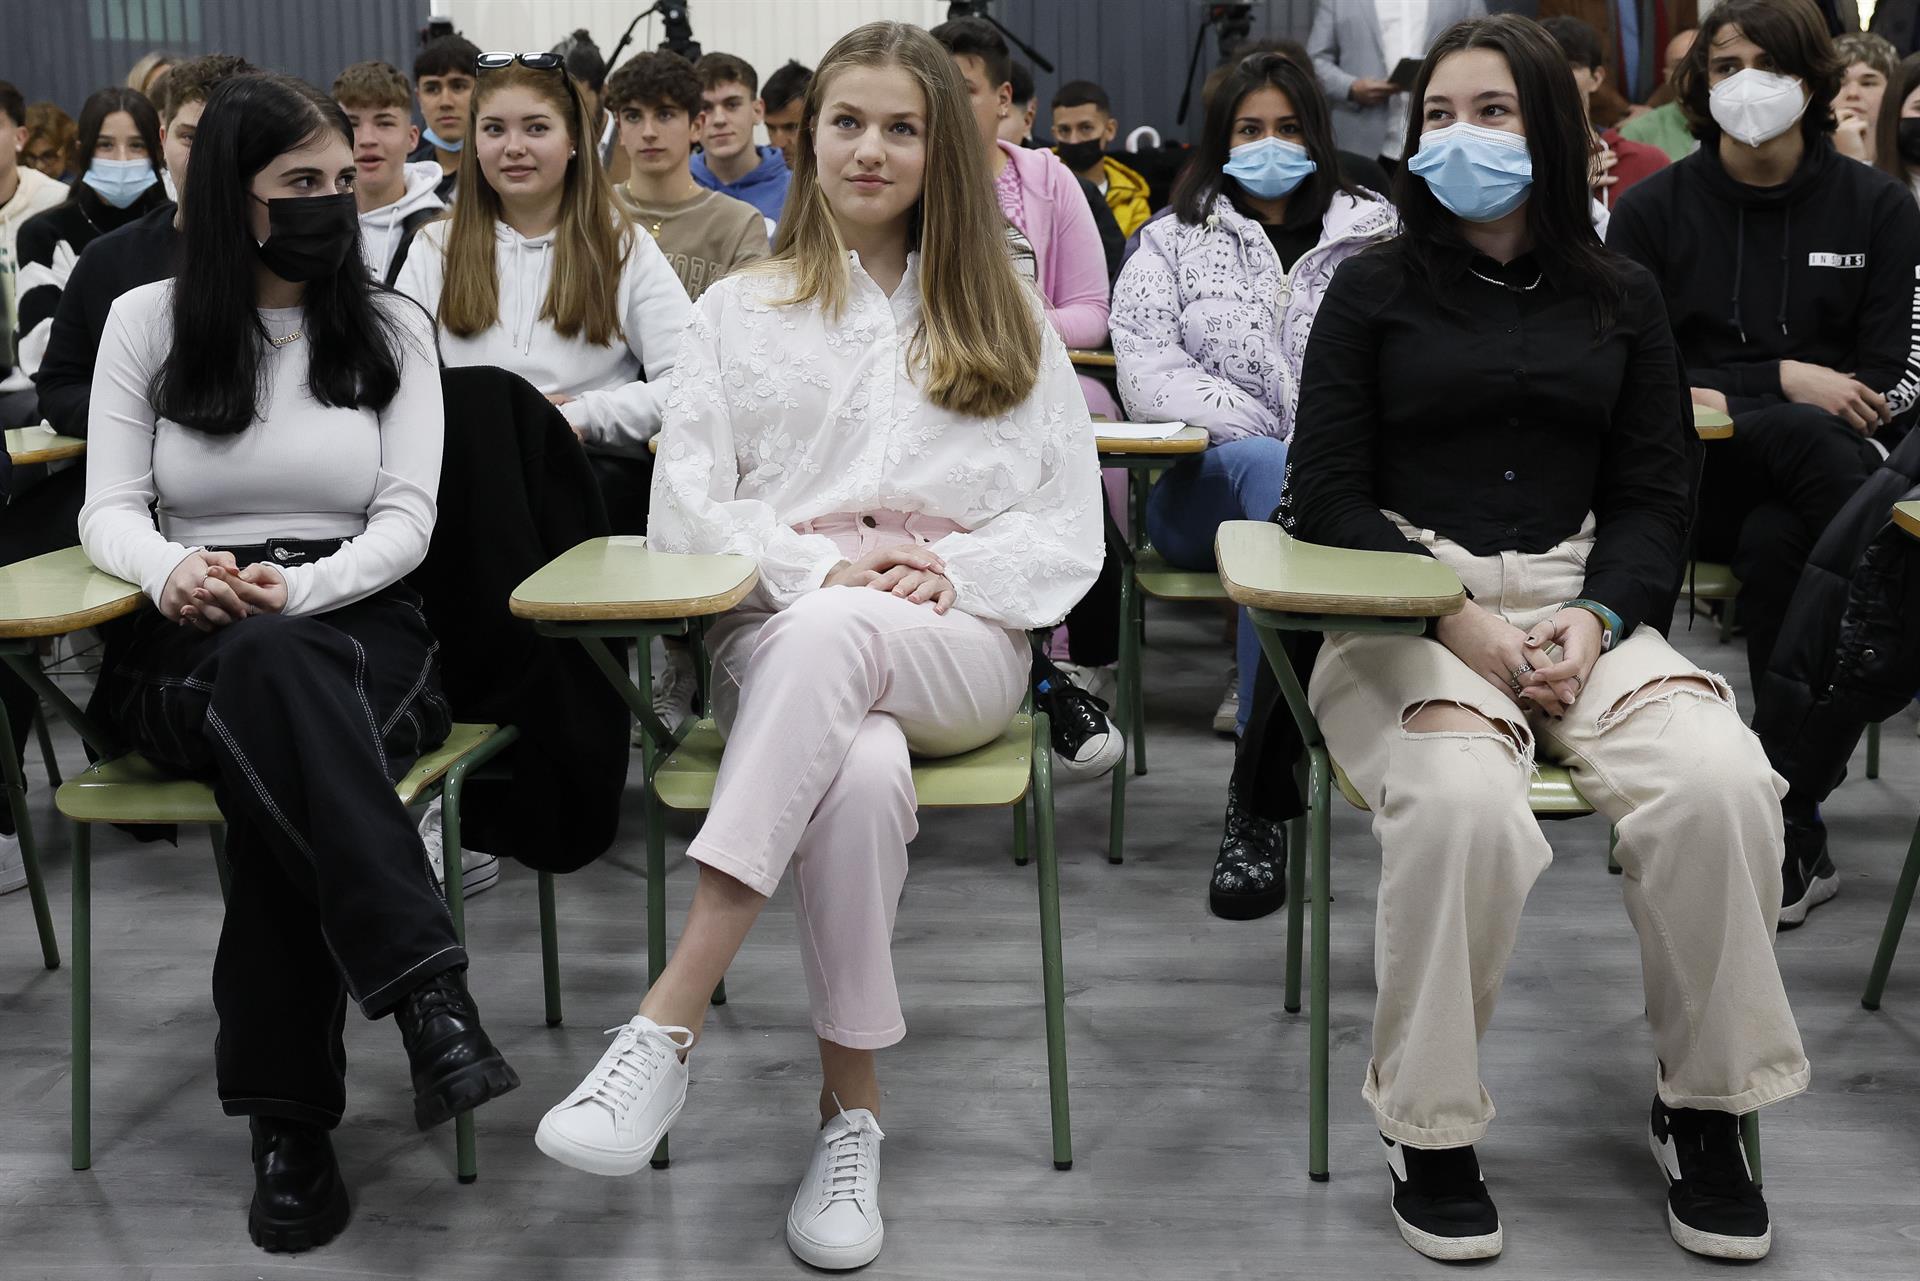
{"type": "Point", "coordinates": [776, 416]}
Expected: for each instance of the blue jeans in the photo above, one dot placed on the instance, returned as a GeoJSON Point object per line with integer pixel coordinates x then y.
{"type": "Point", "coordinates": [1240, 480]}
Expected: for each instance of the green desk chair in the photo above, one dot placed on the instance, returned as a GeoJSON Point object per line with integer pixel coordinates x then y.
{"type": "Point", "coordinates": [1288, 585]}
{"type": "Point", "coordinates": [616, 589]}
{"type": "Point", "coordinates": [1708, 580]}
{"type": "Point", "coordinates": [1906, 516]}
{"type": "Point", "coordinates": [1144, 571]}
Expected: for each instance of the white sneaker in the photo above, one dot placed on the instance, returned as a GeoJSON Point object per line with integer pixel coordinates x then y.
{"type": "Point", "coordinates": [1226, 717]}
{"type": "Point", "coordinates": [835, 1220]}
{"type": "Point", "coordinates": [13, 868]}
{"type": "Point", "coordinates": [477, 871]}
{"type": "Point", "coordinates": [675, 689]}
{"type": "Point", "coordinates": [614, 1119]}
{"type": "Point", "coordinates": [1100, 682]}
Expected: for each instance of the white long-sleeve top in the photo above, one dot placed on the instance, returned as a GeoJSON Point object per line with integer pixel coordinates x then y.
{"type": "Point", "coordinates": [777, 415]}
{"type": "Point", "coordinates": [158, 491]}
{"type": "Point", "coordinates": [615, 388]}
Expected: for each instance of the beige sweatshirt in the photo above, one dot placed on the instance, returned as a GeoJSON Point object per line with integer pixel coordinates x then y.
{"type": "Point", "coordinates": [704, 238]}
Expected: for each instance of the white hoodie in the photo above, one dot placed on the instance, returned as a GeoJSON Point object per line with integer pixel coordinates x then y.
{"type": "Point", "coordinates": [615, 411]}
{"type": "Point", "coordinates": [383, 229]}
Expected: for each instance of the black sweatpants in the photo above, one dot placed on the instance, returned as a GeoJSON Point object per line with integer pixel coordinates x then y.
{"type": "Point", "coordinates": [303, 724]}
{"type": "Point", "coordinates": [626, 486]}
{"type": "Point", "coordinates": [1766, 495]}
{"type": "Point", "coordinates": [1093, 625]}
{"type": "Point", "coordinates": [44, 518]}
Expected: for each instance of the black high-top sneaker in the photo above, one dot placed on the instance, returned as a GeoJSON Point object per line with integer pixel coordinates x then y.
{"type": "Point", "coordinates": [1807, 876]}
{"type": "Point", "coordinates": [1714, 1207]}
{"type": "Point", "coordinates": [1086, 742]}
{"type": "Point", "coordinates": [1440, 1202]}
{"type": "Point", "coordinates": [1250, 874]}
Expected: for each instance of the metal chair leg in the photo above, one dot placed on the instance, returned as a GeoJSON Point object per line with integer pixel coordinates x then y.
{"type": "Point", "coordinates": [1052, 972]}
{"type": "Point", "coordinates": [1020, 832]}
{"type": "Point", "coordinates": [82, 1049]}
{"type": "Point", "coordinates": [549, 949]}
{"type": "Point", "coordinates": [1319, 812]}
{"type": "Point", "coordinates": [656, 824]}
{"type": "Point", "coordinates": [1873, 750]}
{"type": "Point", "coordinates": [46, 749]}
{"type": "Point", "coordinates": [1896, 922]}
{"type": "Point", "coordinates": [16, 785]}
{"type": "Point", "coordinates": [1296, 907]}
{"type": "Point", "coordinates": [466, 1164]}
{"type": "Point", "coordinates": [1750, 1138]}
{"type": "Point", "coordinates": [1126, 674]}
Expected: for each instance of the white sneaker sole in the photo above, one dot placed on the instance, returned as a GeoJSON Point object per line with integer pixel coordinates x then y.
{"type": "Point", "coordinates": [835, 1258]}
{"type": "Point", "coordinates": [1226, 720]}
{"type": "Point", "coordinates": [475, 879]}
{"type": "Point", "coordinates": [612, 1163]}
{"type": "Point", "coordinates": [1450, 1249]}
{"type": "Point", "coordinates": [1819, 890]}
{"type": "Point", "coordinates": [1110, 754]}
{"type": "Point", "coordinates": [13, 878]}
{"type": "Point", "coordinates": [1713, 1245]}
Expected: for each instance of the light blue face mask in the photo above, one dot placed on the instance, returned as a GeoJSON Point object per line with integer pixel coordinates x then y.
{"type": "Point", "coordinates": [440, 142]}
{"type": "Point", "coordinates": [1270, 168]}
{"type": "Point", "coordinates": [120, 182]}
{"type": "Point", "coordinates": [1480, 174]}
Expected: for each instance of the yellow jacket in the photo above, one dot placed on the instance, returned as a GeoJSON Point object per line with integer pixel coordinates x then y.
{"type": "Point", "coordinates": [1127, 196]}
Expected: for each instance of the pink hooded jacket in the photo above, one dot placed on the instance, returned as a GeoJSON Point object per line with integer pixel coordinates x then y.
{"type": "Point", "coordinates": [1072, 267]}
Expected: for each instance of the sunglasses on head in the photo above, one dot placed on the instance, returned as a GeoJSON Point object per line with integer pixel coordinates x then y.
{"type": "Point", "coordinates": [535, 61]}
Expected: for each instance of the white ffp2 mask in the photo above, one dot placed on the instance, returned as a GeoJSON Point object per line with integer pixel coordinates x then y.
{"type": "Point", "coordinates": [1757, 106]}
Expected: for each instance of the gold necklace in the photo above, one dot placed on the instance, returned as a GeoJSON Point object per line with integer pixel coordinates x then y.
{"type": "Point", "coordinates": [286, 340]}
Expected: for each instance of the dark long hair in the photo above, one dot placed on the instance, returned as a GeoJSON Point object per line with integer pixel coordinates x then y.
{"type": "Point", "coordinates": [1794, 33]}
{"type": "Point", "coordinates": [1904, 80]}
{"type": "Point", "coordinates": [1202, 181]}
{"type": "Point", "coordinates": [93, 117]}
{"type": "Point", "coordinates": [211, 379]}
{"type": "Point", "coordinates": [1558, 216]}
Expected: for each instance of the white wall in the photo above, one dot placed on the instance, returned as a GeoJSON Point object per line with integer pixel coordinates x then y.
{"type": "Point", "coordinates": [764, 32]}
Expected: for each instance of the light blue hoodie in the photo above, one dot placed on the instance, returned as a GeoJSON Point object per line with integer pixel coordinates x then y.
{"type": "Point", "coordinates": [764, 187]}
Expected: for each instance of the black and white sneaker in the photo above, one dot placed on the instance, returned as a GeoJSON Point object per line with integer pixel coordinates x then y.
{"type": "Point", "coordinates": [1440, 1202]}
{"type": "Point", "coordinates": [1086, 744]}
{"type": "Point", "coordinates": [1807, 875]}
{"type": "Point", "coordinates": [1714, 1208]}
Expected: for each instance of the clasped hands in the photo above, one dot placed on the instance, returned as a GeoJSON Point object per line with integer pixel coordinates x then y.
{"type": "Point", "coordinates": [1517, 663]}
{"type": "Point", "coordinates": [209, 590]}
{"type": "Point", "coordinates": [912, 573]}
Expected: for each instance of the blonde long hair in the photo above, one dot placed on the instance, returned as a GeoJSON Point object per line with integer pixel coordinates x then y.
{"type": "Point", "coordinates": [979, 336]}
{"type": "Point", "coordinates": [591, 244]}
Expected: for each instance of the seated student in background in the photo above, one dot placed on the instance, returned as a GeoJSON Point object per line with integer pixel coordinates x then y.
{"type": "Point", "coordinates": [896, 585]}
{"type": "Point", "coordinates": [1050, 208]}
{"type": "Point", "coordinates": [1665, 124]}
{"type": "Point", "coordinates": [1618, 164]}
{"type": "Point", "coordinates": [1497, 390]}
{"type": "Point", "coordinates": [729, 161]}
{"type": "Point", "coordinates": [396, 198]}
{"type": "Point", "coordinates": [1017, 128]}
{"type": "Point", "coordinates": [1355, 169]}
{"type": "Point", "coordinates": [538, 272]}
{"type": "Point", "coordinates": [782, 99]}
{"type": "Point", "coordinates": [304, 413]}
{"type": "Point", "coordinates": [655, 98]}
{"type": "Point", "coordinates": [1788, 272]}
{"type": "Point", "coordinates": [443, 79]}
{"type": "Point", "coordinates": [144, 250]}
{"type": "Point", "coordinates": [588, 67]}
{"type": "Point", "coordinates": [24, 192]}
{"type": "Point", "coordinates": [1210, 325]}
{"type": "Point", "coordinates": [120, 136]}
{"type": "Point", "coordinates": [1083, 129]}
{"type": "Point", "coordinates": [1898, 148]}
{"type": "Point", "coordinates": [1869, 62]}
{"type": "Point", "coordinates": [51, 135]}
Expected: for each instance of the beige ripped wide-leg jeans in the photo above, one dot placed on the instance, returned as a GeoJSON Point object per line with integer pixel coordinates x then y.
{"type": "Point", "coordinates": [823, 705]}
{"type": "Point", "coordinates": [1695, 805]}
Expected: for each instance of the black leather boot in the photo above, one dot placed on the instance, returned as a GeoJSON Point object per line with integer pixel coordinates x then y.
{"type": "Point", "coordinates": [299, 1199]}
{"type": "Point", "coordinates": [1250, 874]}
{"type": "Point", "coordinates": [455, 1067]}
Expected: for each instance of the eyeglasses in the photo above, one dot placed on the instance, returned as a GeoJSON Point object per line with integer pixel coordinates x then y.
{"type": "Point", "coordinates": [534, 61]}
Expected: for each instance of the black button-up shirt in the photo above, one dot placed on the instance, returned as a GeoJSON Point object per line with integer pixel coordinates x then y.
{"type": "Point", "coordinates": [1497, 420]}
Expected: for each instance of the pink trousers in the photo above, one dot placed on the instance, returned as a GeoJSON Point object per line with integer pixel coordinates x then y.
{"type": "Point", "coordinates": [822, 705]}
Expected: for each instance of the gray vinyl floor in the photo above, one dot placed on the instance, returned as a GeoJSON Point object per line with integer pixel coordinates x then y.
{"type": "Point", "coordinates": [1189, 1081]}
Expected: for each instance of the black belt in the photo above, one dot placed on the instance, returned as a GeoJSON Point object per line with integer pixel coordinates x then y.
{"type": "Point", "coordinates": [282, 551]}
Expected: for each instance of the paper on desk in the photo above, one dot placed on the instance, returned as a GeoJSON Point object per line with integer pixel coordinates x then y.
{"type": "Point", "coordinates": [1138, 431]}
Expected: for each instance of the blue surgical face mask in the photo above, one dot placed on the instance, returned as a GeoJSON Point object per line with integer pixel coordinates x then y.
{"type": "Point", "coordinates": [440, 142]}
{"type": "Point", "coordinates": [1270, 168]}
{"type": "Point", "coordinates": [120, 182]}
{"type": "Point", "coordinates": [1480, 174]}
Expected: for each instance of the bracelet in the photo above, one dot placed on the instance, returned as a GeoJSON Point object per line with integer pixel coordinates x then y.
{"type": "Point", "coordinates": [1610, 624]}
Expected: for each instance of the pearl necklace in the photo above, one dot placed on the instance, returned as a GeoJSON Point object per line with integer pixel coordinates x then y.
{"type": "Point", "coordinates": [293, 337]}
{"type": "Point", "coordinates": [1518, 289]}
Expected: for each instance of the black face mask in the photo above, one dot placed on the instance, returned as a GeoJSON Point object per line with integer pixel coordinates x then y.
{"type": "Point", "coordinates": [1079, 156]}
{"type": "Point", "coordinates": [1910, 139]}
{"type": "Point", "coordinates": [309, 236]}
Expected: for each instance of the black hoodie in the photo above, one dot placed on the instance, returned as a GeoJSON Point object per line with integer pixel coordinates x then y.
{"type": "Point", "coordinates": [1820, 269]}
